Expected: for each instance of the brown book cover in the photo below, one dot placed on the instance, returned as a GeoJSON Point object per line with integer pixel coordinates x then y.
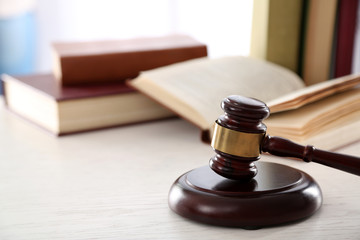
{"type": "Point", "coordinates": [118, 60]}
{"type": "Point", "coordinates": [62, 110]}
{"type": "Point", "coordinates": [47, 85]}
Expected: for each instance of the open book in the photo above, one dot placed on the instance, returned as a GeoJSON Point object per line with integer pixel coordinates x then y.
{"type": "Point", "coordinates": [194, 90]}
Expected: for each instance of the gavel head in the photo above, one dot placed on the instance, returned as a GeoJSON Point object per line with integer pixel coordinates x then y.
{"type": "Point", "coordinates": [237, 137]}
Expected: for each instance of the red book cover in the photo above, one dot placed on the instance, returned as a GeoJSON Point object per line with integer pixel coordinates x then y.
{"type": "Point", "coordinates": [345, 36]}
{"type": "Point", "coordinates": [119, 60]}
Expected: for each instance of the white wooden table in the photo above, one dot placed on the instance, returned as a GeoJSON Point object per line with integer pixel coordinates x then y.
{"type": "Point", "coordinates": [113, 184]}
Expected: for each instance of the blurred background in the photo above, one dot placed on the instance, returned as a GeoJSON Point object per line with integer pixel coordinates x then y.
{"type": "Point", "coordinates": [27, 27]}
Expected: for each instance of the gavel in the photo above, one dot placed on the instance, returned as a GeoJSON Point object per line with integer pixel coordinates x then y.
{"type": "Point", "coordinates": [239, 191]}
{"type": "Point", "coordinates": [240, 136]}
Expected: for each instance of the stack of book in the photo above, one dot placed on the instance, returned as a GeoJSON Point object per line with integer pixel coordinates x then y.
{"type": "Point", "coordinates": [317, 39]}
{"type": "Point", "coordinates": [87, 89]}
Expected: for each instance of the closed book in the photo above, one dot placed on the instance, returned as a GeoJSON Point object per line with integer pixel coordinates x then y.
{"type": "Point", "coordinates": [40, 99]}
{"type": "Point", "coordinates": [346, 25]}
{"type": "Point", "coordinates": [118, 60]}
{"type": "Point", "coordinates": [318, 40]}
{"type": "Point", "coordinates": [276, 29]}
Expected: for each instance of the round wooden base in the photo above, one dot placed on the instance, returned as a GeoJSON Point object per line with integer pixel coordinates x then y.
{"type": "Point", "coordinates": [278, 194]}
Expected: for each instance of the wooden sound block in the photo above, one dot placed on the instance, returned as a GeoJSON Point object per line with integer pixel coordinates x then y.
{"type": "Point", "coordinates": [278, 194]}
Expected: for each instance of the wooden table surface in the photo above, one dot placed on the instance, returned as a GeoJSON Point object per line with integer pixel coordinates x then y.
{"type": "Point", "coordinates": [113, 184]}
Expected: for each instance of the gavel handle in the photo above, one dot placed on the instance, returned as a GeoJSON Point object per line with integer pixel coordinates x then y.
{"type": "Point", "coordinates": [285, 148]}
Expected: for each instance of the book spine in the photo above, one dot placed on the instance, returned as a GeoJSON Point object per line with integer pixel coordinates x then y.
{"type": "Point", "coordinates": [345, 36]}
{"type": "Point", "coordinates": [318, 42]}
{"type": "Point", "coordinates": [276, 31]}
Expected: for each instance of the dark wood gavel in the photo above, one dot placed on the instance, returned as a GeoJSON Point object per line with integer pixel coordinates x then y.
{"type": "Point", "coordinates": [240, 137]}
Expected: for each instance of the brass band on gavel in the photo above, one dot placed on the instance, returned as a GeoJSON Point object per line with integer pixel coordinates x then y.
{"type": "Point", "coordinates": [236, 143]}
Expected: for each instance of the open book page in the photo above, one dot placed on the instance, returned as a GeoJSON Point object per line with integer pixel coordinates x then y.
{"type": "Point", "coordinates": [308, 120]}
{"type": "Point", "coordinates": [194, 89]}
{"type": "Point", "coordinates": [341, 132]}
{"type": "Point", "coordinates": [312, 93]}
